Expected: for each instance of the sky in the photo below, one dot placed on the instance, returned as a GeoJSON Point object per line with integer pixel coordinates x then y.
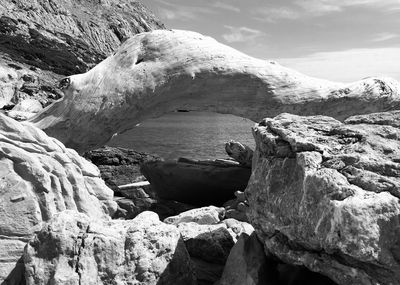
{"type": "Point", "coordinates": [339, 40]}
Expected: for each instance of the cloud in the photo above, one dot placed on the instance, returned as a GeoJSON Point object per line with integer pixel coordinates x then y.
{"type": "Point", "coordinates": [348, 65]}
{"type": "Point", "coordinates": [296, 9]}
{"type": "Point", "coordinates": [382, 37]}
{"type": "Point", "coordinates": [225, 6]}
{"type": "Point", "coordinates": [241, 34]}
{"type": "Point", "coordinates": [175, 11]}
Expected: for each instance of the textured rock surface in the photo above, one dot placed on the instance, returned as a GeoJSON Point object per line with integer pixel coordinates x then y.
{"type": "Point", "coordinates": [325, 195]}
{"type": "Point", "coordinates": [41, 40]}
{"type": "Point", "coordinates": [248, 265]}
{"type": "Point", "coordinates": [40, 177]}
{"type": "Point", "coordinates": [239, 152]}
{"type": "Point", "coordinates": [202, 216]}
{"type": "Point", "coordinates": [72, 249]}
{"type": "Point", "coordinates": [119, 166]}
{"type": "Point", "coordinates": [199, 183]}
{"type": "Point", "coordinates": [237, 208]}
{"type": "Point", "coordinates": [68, 36]}
{"type": "Point", "coordinates": [162, 71]}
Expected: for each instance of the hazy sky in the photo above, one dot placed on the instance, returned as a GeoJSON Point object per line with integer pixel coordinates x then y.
{"type": "Point", "coordinates": [342, 40]}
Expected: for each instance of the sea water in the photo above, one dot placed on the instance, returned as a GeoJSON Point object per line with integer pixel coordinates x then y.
{"type": "Point", "coordinates": [196, 135]}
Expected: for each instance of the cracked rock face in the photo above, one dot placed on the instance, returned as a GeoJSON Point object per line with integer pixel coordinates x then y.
{"type": "Point", "coordinates": [73, 249]}
{"type": "Point", "coordinates": [325, 194]}
{"type": "Point", "coordinates": [39, 177]}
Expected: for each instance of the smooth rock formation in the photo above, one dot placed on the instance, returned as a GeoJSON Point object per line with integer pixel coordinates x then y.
{"type": "Point", "coordinates": [73, 249]}
{"type": "Point", "coordinates": [325, 195]}
{"type": "Point", "coordinates": [39, 178]}
{"type": "Point", "coordinates": [162, 71]}
{"type": "Point", "coordinates": [119, 166]}
{"type": "Point", "coordinates": [239, 152]}
{"type": "Point", "coordinates": [199, 183]}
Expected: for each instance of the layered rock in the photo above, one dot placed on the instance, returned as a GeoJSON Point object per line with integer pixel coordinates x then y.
{"type": "Point", "coordinates": [325, 195]}
{"type": "Point", "coordinates": [162, 71]}
{"type": "Point", "coordinates": [73, 249]}
{"type": "Point", "coordinates": [119, 166]}
{"type": "Point", "coordinates": [199, 183]}
{"type": "Point", "coordinates": [40, 177]}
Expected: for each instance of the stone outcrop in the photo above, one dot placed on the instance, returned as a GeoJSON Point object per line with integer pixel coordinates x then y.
{"type": "Point", "coordinates": [325, 194]}
{"type": "Point", "coordinates": [41, 41]}
{"type": "Point", "coordinates": [73, 249]}
{"type": "Point", "coordinates": [39, 178]}
{"type": "Point", "coordinates": [199, 183]}
{"type": "Point", "coordinates": [69, 36]}
{"type": "Point", "coordinates": [162, 71]}
{"type": "Point", "coordinates": [119, 166]}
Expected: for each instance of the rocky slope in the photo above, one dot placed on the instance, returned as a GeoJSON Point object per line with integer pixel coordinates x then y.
{"type": "Point", "coordinates": [42, 40]}
{"type": "Point", "coordinates": [325, 194]}
{"type": "Point", "coordinates": [39, 178]}
{"type": "Point", "coordinates": [161, 71]}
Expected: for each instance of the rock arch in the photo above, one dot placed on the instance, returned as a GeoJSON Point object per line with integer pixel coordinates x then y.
{"type": "Point", "coordinates": [161, 71]}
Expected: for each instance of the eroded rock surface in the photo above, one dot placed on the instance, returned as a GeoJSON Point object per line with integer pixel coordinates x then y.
{"type": "Point", "coordinates": [325, 195]}
{"type": "Point", "coordinates": [162, 71]}
{"type": "Point", "coordinates": [73, 249]}
{"type": "Point", "coordinates": [41, 41]}
{"type": "Point", "coordinates": [39, 178]}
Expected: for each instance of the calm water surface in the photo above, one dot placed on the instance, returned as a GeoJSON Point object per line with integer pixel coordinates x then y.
{"type": "Point", "coordinates": [198, 135]}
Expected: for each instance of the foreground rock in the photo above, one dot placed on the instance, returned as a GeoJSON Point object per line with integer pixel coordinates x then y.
{"type": "Point", "coordinates": [199, 183]}
{"type": "Point", "coordinates": [208, 239]}
{"type": "Point", "coordinates": [325, 195]}
{"type": "Point", "coordinates": [137, 83]}
{"type": "Point", "coordinates": [42, 41]}
{"type": "Point", "coordinates": [40, 177]}
{"type": "Point", "coordinates": [72, 249]}
{"type": "Point", "coordinates": [119, 166]}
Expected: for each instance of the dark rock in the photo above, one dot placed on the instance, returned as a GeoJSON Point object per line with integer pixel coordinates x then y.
{"type": "Point", "coordinates": [325, 195]}
{"type": "Point", "coordinates": [119, 166]}
{"type": "Point", "coordinates": [199, 183]}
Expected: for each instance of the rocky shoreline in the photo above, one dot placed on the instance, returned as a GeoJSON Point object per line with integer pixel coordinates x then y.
{"type": "Point", "coordinates": [316, 202]}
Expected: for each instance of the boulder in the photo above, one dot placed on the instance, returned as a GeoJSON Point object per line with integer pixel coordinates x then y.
{"type": "Point", "coordinates": [73, 249]}
{"type": "Point", "coordinates": [248, 265]}
{"type": "Point", "coordinates": [161, 71]}
{"type": "Point", "coordinates": [39, 178]}
{"type": "Point", "coordinates": [239, 152]}
{"type": "Point", "coordinates": [325, 195]}
{"type": "Point", "coordinates": [237, 208]}
{"type": "Point", "coordinates": [119, 166]}
{"type": "Point", "coordinates": [25, 109]}
{"type": "Point", "coordinates": [202, 216]}
{"type": "Point", "coordinates": [199, 183]}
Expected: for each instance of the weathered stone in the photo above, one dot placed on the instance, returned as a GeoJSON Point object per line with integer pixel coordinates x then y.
{"type": "Point", "coordinates": [237, 208]}
{"type": "Point", "coordinates": [202, 216]}
{"type": "Point", "coordinates": [248, 265]}
{"type": "Point", "coordinates": [119, 166]}
{"type": "Point", "coordinates": [200, 183]}
{"type": "Point", "coordinates": [239, 152]}
{"type": "Point", "coordinates": [325, 195]}
{"type": "Point", "coordinates": [69, 36]}
{"type": "Point", "coordinates": [39, 177]}
{"type": "Point", "coordinates": [136, 83]}
{"type": "Point", "coordinates": [73, 249]}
